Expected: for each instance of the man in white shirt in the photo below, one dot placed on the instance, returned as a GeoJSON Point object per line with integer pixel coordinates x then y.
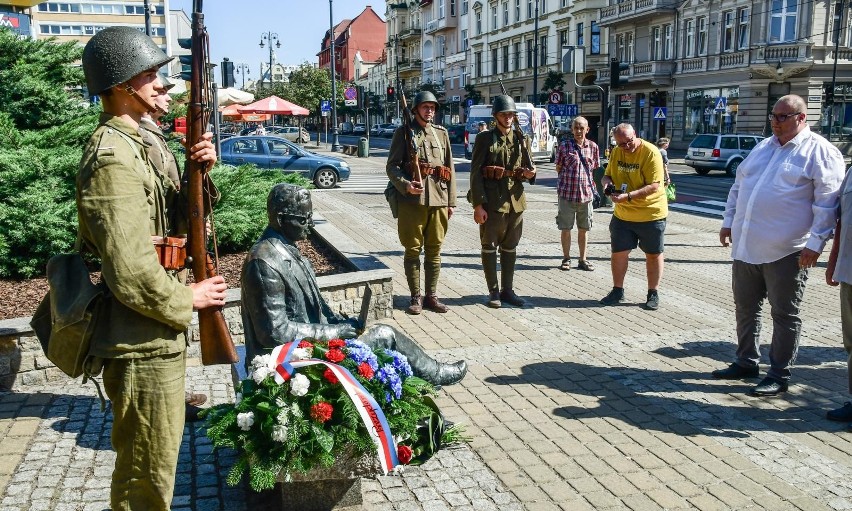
{"type": "Point", "coordinates": [781, 210]}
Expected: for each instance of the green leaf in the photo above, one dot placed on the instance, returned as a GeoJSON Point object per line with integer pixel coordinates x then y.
{"type": "Point", "coordinates": [323, 437]}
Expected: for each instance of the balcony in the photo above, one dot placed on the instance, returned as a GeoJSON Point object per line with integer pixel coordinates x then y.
{"type": "Point", "coordinates": [635, 10]}
{"type": "Point", "coordinates": [441, 24]}
{"type": "Point", "coordinates": [410, 33]}
{"type": "Point", "coordinates": [799, 51]}
{"type": "Point", "coordinates": [409, 65]}
{"type": "Point", "coordinates": [693, 65]}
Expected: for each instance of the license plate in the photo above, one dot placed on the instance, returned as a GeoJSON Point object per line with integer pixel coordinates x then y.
{"type": "Point", "coordinates": [697, 153]}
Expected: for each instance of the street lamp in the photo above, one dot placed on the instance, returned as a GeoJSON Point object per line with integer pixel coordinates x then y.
{"type": "Point", "coordinates": [335, 142]}
{"type": "Point", "coordinates": [242, 70]}
{"type": "Point", "coordinates": [535, 57]}
{"type": "Point", "coordinates": [269, 38]}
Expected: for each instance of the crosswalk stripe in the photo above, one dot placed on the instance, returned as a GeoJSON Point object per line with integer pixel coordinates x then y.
{"type": "Point", "coordinates": [374, 183]}
{"type": "Point", "coordinates": [701, 209]}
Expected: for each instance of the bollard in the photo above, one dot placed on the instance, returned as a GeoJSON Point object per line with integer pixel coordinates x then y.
{"type": "Point", "coordinates": [363, 148]}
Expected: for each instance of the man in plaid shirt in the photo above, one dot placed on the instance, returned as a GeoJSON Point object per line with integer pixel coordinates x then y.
{"type": "Point", "coordinates": [576, 159]}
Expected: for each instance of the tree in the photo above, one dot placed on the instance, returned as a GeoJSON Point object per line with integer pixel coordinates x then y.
{"type": "Point", "coordinates": [308, 86]}
{"type": "Point", "coordinates": [40, 84]}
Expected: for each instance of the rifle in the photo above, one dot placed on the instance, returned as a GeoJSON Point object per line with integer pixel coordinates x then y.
{"type": "Point", "coordinates": [516, 127]}
{"type": "Point", "coordinates": [410, 144]}
{"type": "Point", "coordinates": [216, 344]}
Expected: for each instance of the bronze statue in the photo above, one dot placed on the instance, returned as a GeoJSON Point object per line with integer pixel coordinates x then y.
{"type": "Point", "coordinates": [281, 301]}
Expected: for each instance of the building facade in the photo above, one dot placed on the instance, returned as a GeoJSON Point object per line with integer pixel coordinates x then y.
{"type": "Point", "coordinates": [364, 34]}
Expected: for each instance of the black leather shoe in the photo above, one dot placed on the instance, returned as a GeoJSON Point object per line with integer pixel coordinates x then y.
{"type": "Point", "coordinates": [769, 386]}
{"type": "Point", "coordinates": [509, 296]}
{"type": "Point", "coordinates": [735, 372]}
{"type": "Point", "coordinates": [842, 414]}
{"type": "Point", "coordinates": [494, 300]}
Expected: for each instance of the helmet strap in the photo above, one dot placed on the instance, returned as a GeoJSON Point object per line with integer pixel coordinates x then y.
{"type": "Point", "coordinates": [152, 109]}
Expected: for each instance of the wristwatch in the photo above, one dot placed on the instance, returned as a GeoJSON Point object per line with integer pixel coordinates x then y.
{"type": "Point", "coordinates": [628, 197]}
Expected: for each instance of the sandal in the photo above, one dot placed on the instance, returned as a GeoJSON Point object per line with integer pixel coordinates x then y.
{"type": "Point", "coordinates": [566, 264]}
{"type": "Point", "coordinates": [585, 265]}
{"type": "Point", "coordinates": [195, 399]}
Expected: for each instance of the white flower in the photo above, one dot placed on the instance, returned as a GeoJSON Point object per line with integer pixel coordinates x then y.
{"type": "Point", "coordinates": [300, 354]}
{"type": "Point", "coordinates": [279, 433]}
{"type": "Point", "coordinates": [399, 469]}
{"type": "Point", "coordinates": [295, 411]}
{"type": "Point", "coordinates": [245, 420]}
{"type": "Point", "coordinates": [261, 367]}
{"type": "Point", "coordinates": [283, 418]}
{"type": "Point", "coordinates": [299, 385]}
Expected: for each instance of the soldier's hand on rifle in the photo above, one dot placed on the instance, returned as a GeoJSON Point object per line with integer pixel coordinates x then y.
{"type": "Point", "coordinates": [208, 293]}
{"type": "Point", "coordinates": [414, 187]}
{"type": "Point", "coordinates": [529, 173]}
{"type": "Point", "coordinates": [480, 216]}
{"type": "Point", "coordinates": [204, 150]}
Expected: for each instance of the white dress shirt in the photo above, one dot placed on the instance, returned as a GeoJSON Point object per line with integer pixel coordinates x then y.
{"type": "Point", "coordinates": [784, 198]}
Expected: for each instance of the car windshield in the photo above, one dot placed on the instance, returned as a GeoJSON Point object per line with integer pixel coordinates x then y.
{"type": "Point", "coordinates": [704, 142]}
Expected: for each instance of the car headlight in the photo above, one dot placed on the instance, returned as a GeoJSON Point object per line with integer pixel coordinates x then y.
{"type": "Point", "coordinates": [344, 165]}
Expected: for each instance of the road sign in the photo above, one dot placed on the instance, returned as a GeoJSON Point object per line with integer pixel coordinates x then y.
{"type": "Point", "coordinates": [350, 95]}
{"type": "Point", "coordinates": [469, 102]}
{"type": "Point", "coordinates": [721, 104]}
{"type": "Point", "coordinates": [572, 110]}
{"type": "Point", "coordinates": [562, 110]}
{"type": "Point", "coordinates": [325, 105]}
{"type": "Point", "coordinates": [556, 97]}
{"type": "Point", "coordinates": [324, 113]}
{"type": "Point", "coordinates": [660, 113]}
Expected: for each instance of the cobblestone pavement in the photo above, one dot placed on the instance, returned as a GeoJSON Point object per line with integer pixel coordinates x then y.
{"type": "Point", "coordinates": [570, 405]}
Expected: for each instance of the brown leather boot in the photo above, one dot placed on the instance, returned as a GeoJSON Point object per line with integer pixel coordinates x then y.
{"type": "Point", "coordinates": [416, 305]}
{"type": "Point", "coordinates": [431, 303]}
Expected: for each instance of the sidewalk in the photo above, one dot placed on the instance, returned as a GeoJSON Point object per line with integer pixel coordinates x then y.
{"type": "Point", "coordinates": [570, 405]}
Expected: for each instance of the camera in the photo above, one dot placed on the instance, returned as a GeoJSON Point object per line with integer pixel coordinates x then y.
{"type": "Point", "coordinates": [609, 189]}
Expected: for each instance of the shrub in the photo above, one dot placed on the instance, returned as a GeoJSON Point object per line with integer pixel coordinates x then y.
{"type": "Point", "coordinates": [240, 215]}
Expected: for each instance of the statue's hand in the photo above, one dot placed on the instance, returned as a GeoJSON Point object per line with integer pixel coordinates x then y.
{"type": "Point", "coordinates": [349, 328]}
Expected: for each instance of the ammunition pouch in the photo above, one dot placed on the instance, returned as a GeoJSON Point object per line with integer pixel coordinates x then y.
{"type": "Point", "coordinates": [438, 172]}
{"type": "Point", "coordinates": [171, 252]}
{"type": "Point", "coordinates": [497, 173]}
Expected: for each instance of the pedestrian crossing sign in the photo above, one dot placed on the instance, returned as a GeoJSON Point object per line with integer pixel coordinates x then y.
{"type": "Point", "coordinates": [660, 113]}
{"type": "Point", "coordinates": [721, 104]}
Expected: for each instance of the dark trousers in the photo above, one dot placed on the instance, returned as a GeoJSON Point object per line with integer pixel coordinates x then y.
{"type": "Point", "coordinates": [782, 282]}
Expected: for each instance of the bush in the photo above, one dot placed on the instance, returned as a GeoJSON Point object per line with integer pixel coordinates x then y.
{"type": "Point", "coordinates": [240, 215]}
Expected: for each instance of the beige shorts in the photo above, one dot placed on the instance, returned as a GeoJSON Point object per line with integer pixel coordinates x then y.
{"type": "Point", "coordinates": [569, 210]}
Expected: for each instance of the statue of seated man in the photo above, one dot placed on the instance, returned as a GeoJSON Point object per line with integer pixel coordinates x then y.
{"type": "Point", "coordinates": [281, 301]}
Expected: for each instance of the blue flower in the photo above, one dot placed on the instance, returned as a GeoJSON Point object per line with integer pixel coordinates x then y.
{"type": "Point", "coordinates": [400, 363]}
{"type": "Point", "coordinates": [388, 375]}
{"type": "Point", "coordinates": [360, 352]}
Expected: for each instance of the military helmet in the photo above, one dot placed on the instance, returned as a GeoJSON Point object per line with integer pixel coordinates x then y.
{"type": "Point", "coordinates": [503, 104]}
{"type": "Point", "coordinates": [117, 54]}
{"type": "Point", "coordinates": [167, 84]}
{"type": "Point", "coordinates": [424, 96]}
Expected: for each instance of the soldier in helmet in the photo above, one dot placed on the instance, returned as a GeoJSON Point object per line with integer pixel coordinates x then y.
{"type": "Point", "coordinates": [425, 206]}
{"type": "Point", "coordinates": [122, 201]}
{"type": "Point", "coordinates": [499, 167]}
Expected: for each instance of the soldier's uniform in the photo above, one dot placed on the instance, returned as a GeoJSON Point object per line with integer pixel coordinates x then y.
{"type": "Point", "coordinates": [497, 185]}
{"type": "Point", "coordinates": [122, 201]}
{"type": "Point", "coordinates": [423, 219]}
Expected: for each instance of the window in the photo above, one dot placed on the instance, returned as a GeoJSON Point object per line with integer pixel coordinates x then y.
{"type": "Point", "coordinates": [728, 28]}
{"type": "Point", "coordinates": [517, 11]}
{"type": "Point", "coordinates": [563, 4]}
{"type": "Point", "coordinates": [478, 23]}
{"type": "Point", "coordinates": [542, 51]}
{"type": "Point", "coordinates": [628, 47]}
{"type": "Point", "coordinates": [689, 38]}
{"type": "Point", "coordinates": [782, 24]}
{"type": "Point", "coordinates": [493, 61]}
{"type": "Point", "coordinates": [529, 9]}
{"type": "Point", "coordinates": [453, 8]}
{"type": "Point", "coordinates": [517, 56]}
{"type": "Point", "coordinates": [505, 14]}
{"type": "Point", "coordinates": [563, 38]}
{"type": "Point", "coordinates": [596, 38]}
{"type": "Point", "coordinates": [656, 43]}
{"type": "Point", "coordinates": [529, 53]}
{"type": "Point", "coordinates": [742, 28]}
{"type": "Point", "coordinates": [464, 40]}
{"type": "Point", "coordinates": [506, 59]}
{"type": "Point", "coordinates": [465, 7]}
{"type": "Point", "coordinates": [619, 47]}
{"type": "Point", "coordinates": [668, 45]}
{"type": "Point", "coordinates": [580, 38]}
{"type": "Point", "coordinates": [542, 6]}
{"type": "Point", "coordinates": [477, 63]}
{"type": "Point", "coordinates": [441, 8]}
{"type": "Point", "coordinates": [494, 17]}
{"type": "Point", "coordinates": [463, 77]}
{"type": "Point", "coordinates": [134, 9]}
{"type": "Point", "coordinates": [702, 36]}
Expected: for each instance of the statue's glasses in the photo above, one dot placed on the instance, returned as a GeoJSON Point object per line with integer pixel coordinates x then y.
{"type": "Point", "coordinates": [302, 219]}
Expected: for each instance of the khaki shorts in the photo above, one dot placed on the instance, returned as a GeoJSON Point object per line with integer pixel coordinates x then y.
{"type": "Point", "coordinates": [569, 210]}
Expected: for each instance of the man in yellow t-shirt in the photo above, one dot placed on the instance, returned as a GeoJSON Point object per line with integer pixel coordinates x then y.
{"type": "Point", "coordinates": [634, 182]}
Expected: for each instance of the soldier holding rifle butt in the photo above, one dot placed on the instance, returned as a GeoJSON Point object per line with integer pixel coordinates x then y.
{"type": "Point", "coordinates": [122, 203]}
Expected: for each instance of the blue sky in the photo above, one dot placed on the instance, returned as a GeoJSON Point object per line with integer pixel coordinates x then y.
{"type": "Point", "coordinates": [236, 27]}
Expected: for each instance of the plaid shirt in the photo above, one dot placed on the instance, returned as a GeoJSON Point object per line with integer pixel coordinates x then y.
{"type": "Point", "coordinates": [575, 184]}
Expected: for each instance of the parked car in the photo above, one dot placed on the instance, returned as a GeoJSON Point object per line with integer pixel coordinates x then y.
{"type": "Point", "coordinates": [345, 128]}
{"type": "Point", "coordinates": [288, 132]}
{"type": "Point", "coordinates": [359, 129]}
{"type": "Point", "coordinates": [719, 152]}
{"type": "Point", "coordinates": [388, 130]}
{"type": "Point", "coordinates": [376, 130]}
{"type": "Point", "coordinates": [456, 132]}
{"type": "Point", "coordinates": [268, 152]}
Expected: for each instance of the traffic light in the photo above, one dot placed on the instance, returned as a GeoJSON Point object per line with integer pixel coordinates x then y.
{"type": "Point", "coordinates": [615, 68]}
{"type": "Point", "coordinates": [829, 95]}
{"type": "Point", "coordinates": [391, 93]}
{"type": "Point", "coordinates": [655, 98]}
{"type": "Point", "coordinates": [228, 78]}
{"type": "Point", "coordinates": [185, 60]}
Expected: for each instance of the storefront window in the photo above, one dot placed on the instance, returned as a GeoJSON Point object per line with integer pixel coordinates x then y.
{"type": "Point", "coordinates": [838, 115]}
{"type": "Point", "coordinates": [624, 103]}
{"type": "Point", "coordinates": [702, 116]}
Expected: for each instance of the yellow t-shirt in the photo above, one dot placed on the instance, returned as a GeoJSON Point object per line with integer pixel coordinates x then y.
{"type": "Point", "coordinates": [638, 169]}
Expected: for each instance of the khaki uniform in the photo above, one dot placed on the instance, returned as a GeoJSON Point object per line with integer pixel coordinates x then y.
{"type": "Point", "coordinates": [503, 199]}
{"type": "Point", "coordinates": [423, 219]}
{"type": "Point", "coordinates": [121, 202]}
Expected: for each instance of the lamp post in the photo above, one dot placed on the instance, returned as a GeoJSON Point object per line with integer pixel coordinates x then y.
{"type": "Point", "coordinates": [269, 38]}
{"type": "Point", "coordinates": [242, 70]}
{"type": "Point", "coordinates": [839, 17]}
{"type": "Point", "coordinates": [335, 141]}
{"type": "Point", "coordinates": [535, 57]}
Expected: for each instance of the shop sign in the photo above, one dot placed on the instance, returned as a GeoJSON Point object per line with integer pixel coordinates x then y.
{"type": "Point", "coordinates": [625, 100]}
{"type": "Point", "coordinates": [590, 97]}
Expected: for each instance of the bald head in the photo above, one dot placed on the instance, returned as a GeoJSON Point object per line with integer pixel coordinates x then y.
{"type": "Point", "coordinates": [796, 103]}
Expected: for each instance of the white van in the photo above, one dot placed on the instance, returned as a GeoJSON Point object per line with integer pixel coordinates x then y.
{"type": "Point", "coordinates": [535, 122]}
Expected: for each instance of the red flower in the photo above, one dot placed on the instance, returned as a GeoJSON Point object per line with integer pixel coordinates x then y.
{"type": "Point", "coordinates": [305, 344]}
{"type": "Point", "coordinates": [336, 343]}
{"type": "Point", "coordinates": [365, 370]}
{"type": "Point", "coordinates": [403, 452]}
{"type": "Point", "coordinates": [330, 376]}
{"type": "Point", "coordinates": [334, 355]}
{"type": "Point", "coordinates": [321, 412]}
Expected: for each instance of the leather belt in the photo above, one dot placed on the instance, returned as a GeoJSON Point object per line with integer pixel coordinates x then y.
{"type": "Point", "coordinates": [496, 172]}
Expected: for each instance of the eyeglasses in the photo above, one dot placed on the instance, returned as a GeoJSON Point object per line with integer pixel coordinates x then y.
{"type": "Point", "coordinates": [303, 220]}
{"type": "Point", "coordinates": [625, 144]}
{"type": "Point", "coordinates": [781, 117]}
